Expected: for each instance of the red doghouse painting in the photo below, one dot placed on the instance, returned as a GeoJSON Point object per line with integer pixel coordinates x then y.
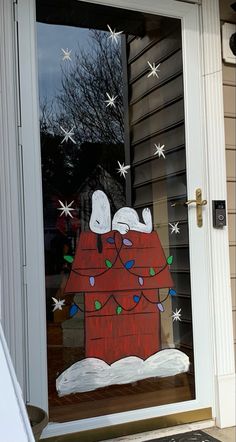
{"type": "Point", "coordinates": [120, 266]}
{"type": "Point", "coordinates": [120, 283]}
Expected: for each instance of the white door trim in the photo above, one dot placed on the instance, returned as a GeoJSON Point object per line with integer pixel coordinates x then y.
{"type": "Point", "coordinates": [220, 293]}
{"type": "Point", "coordinates": [12, 299]}
{"type": "Point", "coordinates": [34, 240]}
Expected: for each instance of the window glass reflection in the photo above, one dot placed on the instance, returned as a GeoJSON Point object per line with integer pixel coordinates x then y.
{"type": "Point", "coordinates": [112, 121]}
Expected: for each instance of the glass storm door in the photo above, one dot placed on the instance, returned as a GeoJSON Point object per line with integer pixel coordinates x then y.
{"type": "Point", "coordinates": [125, 256]}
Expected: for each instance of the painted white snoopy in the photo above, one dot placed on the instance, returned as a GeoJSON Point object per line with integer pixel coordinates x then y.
{"type": "Point", "coordinates": [125, 219]}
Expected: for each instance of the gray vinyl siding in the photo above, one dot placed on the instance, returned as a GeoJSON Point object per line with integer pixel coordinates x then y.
{"type": "Point", "coordinates": [229, 91]}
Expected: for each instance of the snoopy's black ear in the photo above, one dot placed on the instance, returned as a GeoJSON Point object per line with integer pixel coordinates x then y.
{"type": "Point", "coordinates": [99, 243]}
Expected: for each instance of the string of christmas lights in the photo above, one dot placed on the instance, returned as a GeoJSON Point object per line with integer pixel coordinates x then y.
{"type": "Point", "coordinates": [128, 265]}
{"type": "Point", "coordinates": [137, 298]}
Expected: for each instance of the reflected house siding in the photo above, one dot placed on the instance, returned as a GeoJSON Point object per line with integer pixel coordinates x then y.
{"type": "Point", "coordinates": [229, 88]}
{"type": "Point", "coordinates": [157, 115]}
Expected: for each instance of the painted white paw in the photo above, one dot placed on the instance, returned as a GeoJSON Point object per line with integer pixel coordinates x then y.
{"type": "Point", "coordinates": [122, 228]}
{"type": "Point", "coordinates": [147, 217]}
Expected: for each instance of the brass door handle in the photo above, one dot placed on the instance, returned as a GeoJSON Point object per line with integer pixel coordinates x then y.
{"type": "Point", "coordinates": [199, 203]}
{"type": "Point", "coordinates": [187, 203]}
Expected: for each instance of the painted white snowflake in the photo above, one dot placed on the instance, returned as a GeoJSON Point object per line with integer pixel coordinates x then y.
{"type": "Point", "coordinates": [123, 170]}
{"type": "Point", "coordinates": [68, 135]}
{"type": "Point", "coordinates": [153, 70]}
{"type": "Point", "coordinates": [58, 304]}
{"type": "Point", "coordinates": [176, 315]}
{"type": "Point", "coordinates": [174, 228]}
{"type": "Point", "coordinates": [159, 150]}
{"type": "Point", "coordinates": [113, 34]}
{"type": "Point", "coordinates": [111, 100]}
{"type": "Point", "coordinates": [66, 208]}
{"type": "Point", "coordinates": [66, 54]}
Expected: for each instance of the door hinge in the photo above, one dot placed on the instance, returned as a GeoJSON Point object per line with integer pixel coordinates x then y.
{"type": "Point", "coordinates": [19, 135]}
{"type": "Point", "coordinates": [24, 275]}
{"type": "Point", "coordinates": [15, 10]}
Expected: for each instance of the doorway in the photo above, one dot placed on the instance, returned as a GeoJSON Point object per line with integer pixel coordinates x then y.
{"type": "Point", "coordinates": [118, 130]}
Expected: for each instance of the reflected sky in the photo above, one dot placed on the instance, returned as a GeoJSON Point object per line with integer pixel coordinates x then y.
{"type": "Point", "coordinates": [50, 40]}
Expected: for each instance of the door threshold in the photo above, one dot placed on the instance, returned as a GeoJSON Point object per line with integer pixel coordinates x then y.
{"type": "Point", "coordinates": [165, 432]}
{"type": "Point", "coordinates": [156, 427]}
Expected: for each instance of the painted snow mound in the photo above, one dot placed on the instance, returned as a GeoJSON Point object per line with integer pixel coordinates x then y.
{"type": "Point", "coordinates": [92, 373]}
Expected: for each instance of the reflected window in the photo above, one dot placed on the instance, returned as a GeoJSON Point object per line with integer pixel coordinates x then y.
{"type": "Point", "coordinates": [117, 272]}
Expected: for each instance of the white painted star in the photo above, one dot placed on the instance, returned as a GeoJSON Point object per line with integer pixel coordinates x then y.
{"type": "Point", "coordinates": [176, 315]}
{"type": "Point", "coordinates": [111, 100]}
{"type": "Point", "coordinates": [66, 54]}
{"type": "Point", "coordinates": [58, 304]}
{"type": "Point", "coordinates": [154, 70]}
{"type": "Point", "coordinates": [174, 228]}
{"type": "Point", "coordinates": [114, 34]}
{"type": "Point", "coordinates": [123, 170]}
{"type": "Point", "coordinates": [68, 135]}
{"type": "Point", "coordinates": [159, 150]}
{"type": "Point", "coordinates": [66, 208]}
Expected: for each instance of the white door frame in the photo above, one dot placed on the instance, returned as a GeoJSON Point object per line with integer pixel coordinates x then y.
{"type": "Point", "coordinates": [219, 316]}
{"type": "Point", "coordinates": [196, 176]}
